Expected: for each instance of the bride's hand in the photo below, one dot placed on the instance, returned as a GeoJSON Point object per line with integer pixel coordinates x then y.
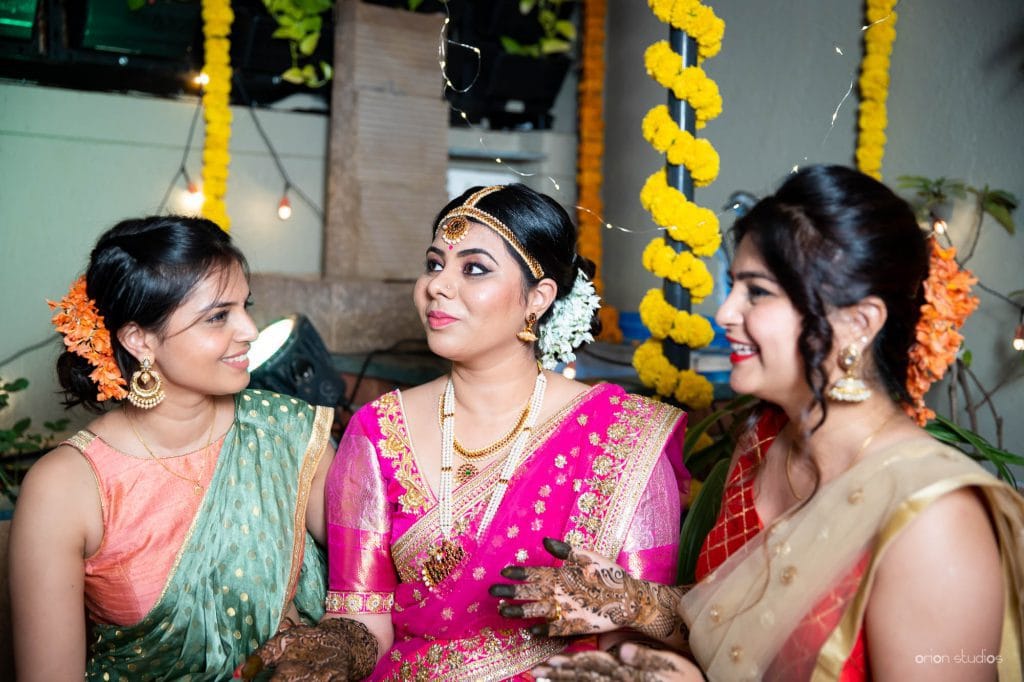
{"type": "Point", "coordinates": [588, 594]}
{"type": "Point", "coordinates": [633, 663]}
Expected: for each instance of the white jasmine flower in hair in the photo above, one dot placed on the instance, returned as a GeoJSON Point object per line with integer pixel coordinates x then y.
{"type": "Point", "coordinates": [568, 326]}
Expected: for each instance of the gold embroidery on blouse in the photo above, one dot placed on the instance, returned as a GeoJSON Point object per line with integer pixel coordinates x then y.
{"type": "Point", "coordinates": [395, 445]}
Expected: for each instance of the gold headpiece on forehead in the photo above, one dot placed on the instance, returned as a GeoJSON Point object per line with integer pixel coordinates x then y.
{"type": "Point", "coordinates": [455, 225]}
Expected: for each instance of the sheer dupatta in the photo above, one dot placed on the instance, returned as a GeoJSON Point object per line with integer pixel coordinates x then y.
{"type": "Point", "coordinates": [604, 474]}
{"type": "Point", "coordinates": [746, 615]}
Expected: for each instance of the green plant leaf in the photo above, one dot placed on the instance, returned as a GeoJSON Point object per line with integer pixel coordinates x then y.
{"type": "Point", "coordinates": [413, 4]}
{"type": "Point", "coordinates": [550, 46]}
{"type": "Point", "coordinates": [21, 426]}
{"type": "Point", "coordinates": [17, 385]}
{"type": "Point", "coordinates": [566, 28]}
{"type": "Point", "coordinates": [945, 430]}
{"type": "Point", "coordinates": [526, 6]}
{"type": "Point", "coordinates": [967, 357]}
{"type": "Point", "coordinates": [136, 4]}
{"type": "Point", "coordinates": [287, 33]}
{"type": "Point", "coordinates": [308, 44]}
{"type": "Point", "coordinates": [294, 75]}
{"type": "Point", "coordinates": [512, 46]}
{"type": "Point", "coordinates": [1001, 215]}
{"type": "Point", "coordinates": [699, 519]}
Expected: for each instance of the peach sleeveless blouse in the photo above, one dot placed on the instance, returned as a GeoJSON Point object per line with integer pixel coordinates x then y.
{"type": "Point", "coordinates": [147, 513]}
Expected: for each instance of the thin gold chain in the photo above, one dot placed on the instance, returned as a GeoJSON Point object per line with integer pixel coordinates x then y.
{"type": "Point", "coordinates": [198, 487]}
{"type": "Point", "coordinates": [860, 451]}
{"type": "Point", "coordinates": [493, 448]}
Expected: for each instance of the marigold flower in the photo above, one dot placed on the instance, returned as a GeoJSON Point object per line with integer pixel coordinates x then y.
{"type": "Point", "coordinates": [78, 320]}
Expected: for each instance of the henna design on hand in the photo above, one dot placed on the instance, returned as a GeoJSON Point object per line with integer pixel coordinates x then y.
{"type": "Point", "coordinates": [337, 649]}
{"type": "Point", "coordinates": [593, 594]}
{"type": "Point", "coordinates": [639, 664]}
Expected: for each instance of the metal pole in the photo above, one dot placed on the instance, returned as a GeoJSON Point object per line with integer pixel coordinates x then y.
{"type": "Point", "coordinates": [679, 178]}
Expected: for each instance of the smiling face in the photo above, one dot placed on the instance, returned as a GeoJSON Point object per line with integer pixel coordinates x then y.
{"type": "Point", "coordinates": [204, 345]}
{"type": "Point", "coordinates": [763, 327]}
{"type": "Point", "coordinates": [470, 297]}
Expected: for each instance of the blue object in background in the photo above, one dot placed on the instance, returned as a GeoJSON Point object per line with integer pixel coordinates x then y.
{"type": "Point", "coordinates": [631, 326]}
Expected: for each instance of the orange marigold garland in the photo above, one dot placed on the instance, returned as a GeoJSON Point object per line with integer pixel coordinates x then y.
{"type": "Point", "coordinates": [86, 336]}
{"type": "Point", "coordinates": [590, 155]}
{"type": "Point", "coordinates": [217, 19]}
{"type": "Point", "coordinates": [948, 304]}
{"type": "Point", "coordinates": [874, 86]}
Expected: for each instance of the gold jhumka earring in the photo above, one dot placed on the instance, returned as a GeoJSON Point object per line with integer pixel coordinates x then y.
{"type": "Point", "coordinates": [850, 388]}
{"type": "Point", "coordinates": [146, 389]}
{"type": "Point", "coordinates": [528, 334]}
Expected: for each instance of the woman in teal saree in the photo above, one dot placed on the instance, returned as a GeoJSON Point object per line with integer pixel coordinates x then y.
{"type": "Point", "coordinates": [183, 522]}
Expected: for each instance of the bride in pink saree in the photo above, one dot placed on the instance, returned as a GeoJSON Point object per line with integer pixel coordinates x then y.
{"type": "Point", "coordinates": [596, 474]}
{"type": "Point", "coordinates": [437, 488]}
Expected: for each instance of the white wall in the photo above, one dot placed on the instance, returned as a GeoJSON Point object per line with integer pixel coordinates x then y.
{"type": "Point", "coordinates": [956, 109]}
{"type": "Point", "coordinates": [74, 163]}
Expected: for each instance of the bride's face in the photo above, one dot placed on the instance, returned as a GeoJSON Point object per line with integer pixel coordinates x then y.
{"type": "Point", "coordinates": [470, 297]}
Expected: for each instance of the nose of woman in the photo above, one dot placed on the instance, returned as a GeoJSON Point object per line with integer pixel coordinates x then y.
{"type": "Point", "coordinates": [440, 285]}
{"type": "Point", "coordinates": [727, 314]}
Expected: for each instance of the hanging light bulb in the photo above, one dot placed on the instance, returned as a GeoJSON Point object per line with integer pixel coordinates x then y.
{"type": "Point", "coordinates": [193, 199]}
{"type": "Point", "coordinates": [284, 208]}
{"type": "Point", "coordinates": [939, 226]}
{"type": "Point", "coordinates": [1018, 336]}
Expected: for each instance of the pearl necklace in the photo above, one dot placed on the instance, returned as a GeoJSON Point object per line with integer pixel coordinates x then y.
{"type": "Point", "coordinates": [443, 560]}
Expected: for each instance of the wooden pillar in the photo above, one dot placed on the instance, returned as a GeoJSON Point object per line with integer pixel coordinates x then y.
{"type": "Point", "coordinates": [388, 155]}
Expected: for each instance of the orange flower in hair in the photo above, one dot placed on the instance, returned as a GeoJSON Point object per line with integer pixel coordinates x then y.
{"type": "Point", "coordinates": [948, 304]}
{"type": "Point", "coordinates": [86, 336]}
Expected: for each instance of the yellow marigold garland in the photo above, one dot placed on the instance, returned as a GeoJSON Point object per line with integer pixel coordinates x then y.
{"type": "Point", "coordinates": [874, 86]}
{"type": "Point", "coordinates": [690, 84]}
{"type": "Point", "coordinates": [217, 19]}
{"type": "Point", "coordinates": [590, 154]}
{"type": "Point", "coordinates": [683, 220]}
{"type": "Point", "coordinates": [665, 321]}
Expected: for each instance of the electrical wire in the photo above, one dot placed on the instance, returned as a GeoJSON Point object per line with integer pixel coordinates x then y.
{"type": "Point", "coordinates": [289, 184]}
{"type": "Point", "coordinates": [28, 349]}
{"type": "Point", "coordinates": [184, 157]}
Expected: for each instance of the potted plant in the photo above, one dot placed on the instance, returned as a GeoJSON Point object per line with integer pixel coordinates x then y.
{"type": "Point", "coordinates": [20, 446]}
{"type": "Point", "coordinates": [523, 55]}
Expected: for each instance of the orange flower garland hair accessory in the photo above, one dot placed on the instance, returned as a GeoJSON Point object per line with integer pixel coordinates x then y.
{"type": "Point", "coordinates": [86, 336]}
{"type": "Point", "coordinates": [948, 304]}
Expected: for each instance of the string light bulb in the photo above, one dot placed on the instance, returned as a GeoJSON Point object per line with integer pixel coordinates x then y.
{"type": "Point", "coordinates": [284, 207]}
{"type": "Point", "coordinates": [1018, 336]}
{"type": "Point", "coordinates": [939, 226]}
{"type": "Point", "coordinates": [193, 198]}
{"type": "Point", "coordinates": [202, 79]}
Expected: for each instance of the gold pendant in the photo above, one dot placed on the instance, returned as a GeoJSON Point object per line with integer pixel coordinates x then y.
{"type": "Point", "coordinates": [464, 472]}
{"type": "Point", "coordinates": [441, 562]}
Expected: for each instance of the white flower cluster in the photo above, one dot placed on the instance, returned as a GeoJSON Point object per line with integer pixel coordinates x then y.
{"type": "Point", "coordinates": [568, 326]}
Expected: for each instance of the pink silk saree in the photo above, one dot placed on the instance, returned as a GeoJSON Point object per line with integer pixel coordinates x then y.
{"type": "Point", "coordinates": [605, 474]}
